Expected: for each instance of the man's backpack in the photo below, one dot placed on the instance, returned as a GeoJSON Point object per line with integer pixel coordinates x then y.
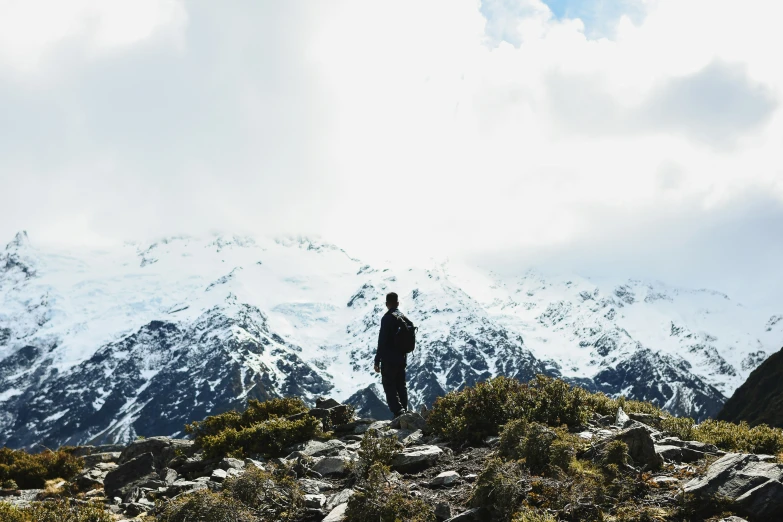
{"type": "Point", "coordinates": [405, 336]}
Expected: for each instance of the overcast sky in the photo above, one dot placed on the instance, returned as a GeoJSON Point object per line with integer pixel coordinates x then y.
{"type": "Point", "coordinates": [631, 137]}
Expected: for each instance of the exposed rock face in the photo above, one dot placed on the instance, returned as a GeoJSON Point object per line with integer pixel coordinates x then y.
{"type": "Point", "coordinates": [760, 399]}
{"type": "Point", "coordinates": [752, 481]}
{"type": "Point", "coordinates": [136, 471]}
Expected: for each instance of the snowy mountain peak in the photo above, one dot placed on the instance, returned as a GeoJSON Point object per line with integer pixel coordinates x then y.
{"type": "Point", "coordinates": [106, 345]}
{"type": "Point", "coordinates": [19, 241]}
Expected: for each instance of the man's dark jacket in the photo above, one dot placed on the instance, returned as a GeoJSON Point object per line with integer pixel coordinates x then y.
{"type": "Point", "coordinates": [387, 353]}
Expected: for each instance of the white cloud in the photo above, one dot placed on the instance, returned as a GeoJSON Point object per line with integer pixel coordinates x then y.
{"type": "Point", "coordinates": [341, 117]}
{"type": "Point", "coordinates": [31, 31]}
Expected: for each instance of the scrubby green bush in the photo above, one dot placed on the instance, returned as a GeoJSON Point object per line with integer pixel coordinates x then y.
{"type": "Point", "coordinates": [9, 513]}
{"type": "Point", "coordinates": [256, 412]}
{"type": "Point", "coordinates": [376, 500]}
{"type": "Point", "coordinates": [271, 495]}
{"type": "Point", "coordinates": [476, 412]}
{"type": "Point", "coordinates": [269, 437]}
{"type": "Point", "coordinates": [32, 470]}
{"type": "Point", "coordinates": [472, 414]}
{"type": "Point", "coordinates": [375, 449]}
{"type": "Point", "coordinates": [680, 427]}
{"type": "Point", "coordinates": [55, 511]}
{"type": "Point", "coordinates": [740, 437]}
{"type": "Point", "coordinates": [10, 484]}
{"type": "Point", "coordinates": [532, 515]}
{"type": "Point", "coordinates": [512, 437]}
{"type": "Point", "coordinates": [500, 488]}
{"type": "Point", "coordinates": [615, 453]}
{"type": "Point", "coordinates": [539, 446]}
{"type": "Point", "coordinates": [636, 513]}
{"type": "Point", "coordinates": [206, 506]}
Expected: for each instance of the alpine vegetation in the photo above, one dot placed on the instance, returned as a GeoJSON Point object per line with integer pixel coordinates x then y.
{"type": "Point", "coordinates": [502, 450]}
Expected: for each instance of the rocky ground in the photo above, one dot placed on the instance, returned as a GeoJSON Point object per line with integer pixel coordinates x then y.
{"type": "Point", "coordinates": [131, 480]}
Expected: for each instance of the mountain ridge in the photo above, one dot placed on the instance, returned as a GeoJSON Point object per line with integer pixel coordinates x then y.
{"type": "Point", "coordinates": [90, 342]}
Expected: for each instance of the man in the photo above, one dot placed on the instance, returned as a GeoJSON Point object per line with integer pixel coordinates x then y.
{"type": "Point", "coordinates": [390, 361]}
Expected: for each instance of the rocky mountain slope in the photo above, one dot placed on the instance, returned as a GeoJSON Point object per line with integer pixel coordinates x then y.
{"type": "Point", "coordinates": [666, 478]}
{"type": "Point", "coordinates": [102, 346]}
{"type": "Point", "coordinates": [760, 399]}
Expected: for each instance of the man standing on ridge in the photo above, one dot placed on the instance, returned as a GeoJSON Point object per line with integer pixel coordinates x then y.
{"type": "Point", "coordinates": [394, 343]}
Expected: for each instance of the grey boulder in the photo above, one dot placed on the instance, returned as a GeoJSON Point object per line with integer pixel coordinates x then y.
{"type": "Point", "coordinates": [417, 458]}
{"type": "Point", "coordinates": [753, 482]}
{"type": "Point", "coordinates": [121, 480]}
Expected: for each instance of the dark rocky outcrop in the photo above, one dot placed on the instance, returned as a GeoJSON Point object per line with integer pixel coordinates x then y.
{"type": "Point", "coordinates": [760, 398]}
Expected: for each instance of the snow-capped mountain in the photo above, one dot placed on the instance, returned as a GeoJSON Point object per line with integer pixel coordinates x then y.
{"type": "Point", "coordinates": [138, 340]}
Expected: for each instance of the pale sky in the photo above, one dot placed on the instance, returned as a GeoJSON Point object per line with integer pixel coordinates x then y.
{"type": "Point", "coordinates": [630, 137]}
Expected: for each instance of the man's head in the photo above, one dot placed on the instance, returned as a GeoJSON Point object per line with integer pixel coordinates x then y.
{"type": "Point", "coordinates": [391, 301]}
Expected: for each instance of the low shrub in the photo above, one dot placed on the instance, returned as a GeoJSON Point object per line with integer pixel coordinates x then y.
{"type": "Point", "coordinates": [512, 437]}
{"type": "Point", "coordinates": [636, 513]}
{"type": "Point", "coordinates": [615, 453]}
{"type": "Point", "coordinates": [740, 437]}
{"type": "Point", "coordinates": [271, 495]}
{"type": "Point", "coordinates": [472, 414]}
{"type": "Point", "coordinates": [65, 510]}
{"type": "Point", "coordinates": [206, 506]}
{"type": "Point", "coordinates": [10, 484]}
{"type": "Point", "coordinates": [32, 470]}
{"type": "Point", "coordinates": [9, 513]}
{"type": "Point", "coordinates": [680, 427]}
{"type": "Point", "coordinates": [500, 488]}
{"type": "Point", "coordinates": [256, 412]}
{"type": "Point", "coordinates": [375, 449]}
{"type": "Point", "coordinates": [377, 500]}
{"type": "Point", "coordinates": [539, 446]}
{"type": "Point", "coordinates": [269, 437]}
{"type": "Point", "coordinates": [532, 515]}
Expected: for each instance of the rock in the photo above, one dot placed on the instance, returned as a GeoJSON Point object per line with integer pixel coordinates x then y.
{"type": "Point", "coordinates": [337, 514]}
{"type": "Point", "coordinates": [377, 425]}
{"type": "Point", "coordinates": [254, 462]}
{"type": "Point", "coordinates": [218, 475]}
{"type": "Point", "coordinates": [314, 448]}
{"type": "Point", "coordinates": [339, 498]}
{"type": "Point", "coordinates": [163, 449]}
{"type": "Point", "coordinates": [122, 479]}
{"type": "Point", "coordinates": [313, 486]}
{"type": "Point", "coordinates": [168, 475]}
{"type": "Point", "coordinates": [678, 454]}
{"type": "Point", "coordinates": [621, 419]}
{"type": "Point", "coordinates": [325, 404]}
{"type": "Point", "coordinates": [134, 509]}
{"type": "Point", "coordinates": [585, 435]}
{"type": "Point", "coordinates": [229, 463]}
{"type": "Point", "coordinates": [414, 439]}
{"type": "Point", "coordinates": [314, 501]}
{"type": "Point", "coordinates": [732, 519]}
{"type": "Point", "coordinates": [182, 486]}
{"type": "Point", "coordinates": [690, 444]}
{"type": "Point", "coordinates": [332, 465]}
{"type": "Point", "coordinates": [412, 460]}
{"type": "Point", "coordinates": [442, 510]}
{"type": "Point", "coordinates": [350, 427]}
{"type": "Point", "coordinates": [471, 515]}
{"type": "Point", "coordinates": [444, 479]}
{"type": "Point", "coordinates": [648, 419]}
{"type": "Point", "coordinates": [665, 481]}
{"type": "Point", "coordinates": [752, 481]}
{"type": "Point", "coordinates": [409, 421]}
{"type": "Point", "coordinates": [641, 447]}
{"type": "Point", "coordinates": [97, 458]}
{"type": "Point", "coordinates": [91, 477]}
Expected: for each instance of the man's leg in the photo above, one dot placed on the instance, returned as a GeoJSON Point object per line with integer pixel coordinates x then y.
{"type": "Point", "coordinates": [389, 381]}
{"type": "Point", "coordinates": [402, 388]}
